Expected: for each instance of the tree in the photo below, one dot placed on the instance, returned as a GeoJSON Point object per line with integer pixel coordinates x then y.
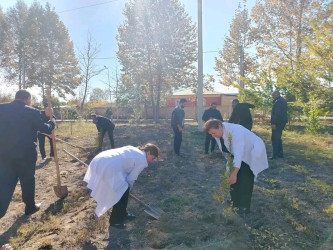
{"type": "Point", "coordinates": [98, 95]}
{"type": "Point", "coordinates": [234, 62]}
{"type": "Point", "coordinates": [88, 67]}
{"type": "Point", "coordinates": [157, 50]}
{"type": "Point", "coordinates": [13, 47]}
{"type": "Point", "coordinates": [51, 59]}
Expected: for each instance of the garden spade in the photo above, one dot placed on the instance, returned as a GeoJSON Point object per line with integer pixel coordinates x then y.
{"type": "Point", "coordinates": [60, 191]}
{"type": "Point", "coordinates": [154, 212]}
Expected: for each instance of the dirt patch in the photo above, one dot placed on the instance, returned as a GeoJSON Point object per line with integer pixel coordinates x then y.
{"type": "Point", "coordinates": [287, 205]}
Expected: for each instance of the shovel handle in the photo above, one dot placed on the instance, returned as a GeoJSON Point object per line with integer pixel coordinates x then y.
{"type": "Point", "coordinates": [53, 138]}
{"type": "Point", "coordinates": [75, 158]}
{"type": "Point", "coordinates": [138, 200]}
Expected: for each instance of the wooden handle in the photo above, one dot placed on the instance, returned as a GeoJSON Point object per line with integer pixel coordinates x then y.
{"type": "Point", "coordinates": [58, 139]}
{"type": "Point", "coordinates": [138, 200]}
{"type": "Point", "coordinates": [53, 138]}
{"type": "Point", "coordinates": [75, 158]}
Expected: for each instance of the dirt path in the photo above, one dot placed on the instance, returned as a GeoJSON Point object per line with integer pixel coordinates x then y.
{"type": "Point", "coordinates": [285, 213]}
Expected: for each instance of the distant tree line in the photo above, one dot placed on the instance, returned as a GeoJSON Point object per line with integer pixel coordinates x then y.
{"type": "Point", "coordinates": [281, 44]}
{"type": "Point", "coordinates": [36, 51]}
{"type": "Point", "coordinates": [285, 45]}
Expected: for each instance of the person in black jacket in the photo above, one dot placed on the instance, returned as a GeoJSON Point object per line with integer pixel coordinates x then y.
{"type": "Point", "coordinates": [177, 124]}
{"type": "Point", "coordinates": [279, 119]}
{"type": "Point", "coordinates": [41, 138]}
{"type": "Point", "coordinates": [103, 125]}
{"type": "Point", "coordinates": [19, 125]}
{"type": "Point", "coordinates": [241, 114]}
{"type": "Point", "coordinates": [211, 113]}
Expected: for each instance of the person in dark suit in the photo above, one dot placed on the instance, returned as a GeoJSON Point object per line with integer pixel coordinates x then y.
{"type": "Point", "coordinates": [41, 138]}
{"type": "Point", "coordinates": [211, 113]}
{"type": "Point", "coordinates": [241, 114]}
{"type": "Point", "coordinates": [279, 119]}
{"type": "Point", "coordinates": [19, 124]}
{"type": "Point", "coordinates": [103, 125]}
{"type": "Point", "coordinates": [177, 124]}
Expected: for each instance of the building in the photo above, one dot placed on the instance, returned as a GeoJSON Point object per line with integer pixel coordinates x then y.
{"type": "Point", "coordinates": [223, 101]}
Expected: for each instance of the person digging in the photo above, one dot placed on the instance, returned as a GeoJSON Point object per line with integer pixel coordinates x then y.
{"type": "Point", "coordinates": [111, 175]}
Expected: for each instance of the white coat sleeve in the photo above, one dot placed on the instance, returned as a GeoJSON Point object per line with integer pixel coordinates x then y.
{"type": "Point", "coordinates": [134, 174]}
{"type": "Point", "coordinates": [238, 147]}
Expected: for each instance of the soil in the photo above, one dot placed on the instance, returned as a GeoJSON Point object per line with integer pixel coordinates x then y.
{"type": "Point", "coordinates": [286, 211]}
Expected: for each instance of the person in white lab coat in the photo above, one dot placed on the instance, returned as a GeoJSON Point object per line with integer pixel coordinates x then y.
{"type": "Point", "coordinates": [111, 175]}
{"type": "Point", "coordinates": [248, 153]}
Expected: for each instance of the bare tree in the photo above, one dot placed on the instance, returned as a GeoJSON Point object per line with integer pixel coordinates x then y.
{"type": "Point", "coordinates": [88, 67]}
{"type": "Point", "coordinates": [112, 84]}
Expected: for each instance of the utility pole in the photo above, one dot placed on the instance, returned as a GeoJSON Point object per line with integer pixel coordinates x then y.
{"type": "Point", "coordinates": [200, 69]}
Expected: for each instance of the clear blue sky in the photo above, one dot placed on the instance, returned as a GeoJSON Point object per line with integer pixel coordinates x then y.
{"type": "Point", "coordinates": [102, 17]}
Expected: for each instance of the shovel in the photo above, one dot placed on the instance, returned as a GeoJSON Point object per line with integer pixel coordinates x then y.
{"type": "Point", "coordinates": [60, 191]}
{"type": "Point", "coordinates": [154, 212]}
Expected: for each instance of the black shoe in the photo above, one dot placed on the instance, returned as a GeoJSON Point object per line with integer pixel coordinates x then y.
{"type": "Point", "coordinates": [130, 217]}
{"type": "Point", "coordinates": [272, 158]}
{"type": "Point", "coordinates": [118, 225]}
{"type": "Point", "coordinates": [243, 212]}
{"type": "Point", "coordinates": [33, 210]}
{"type": "Point", "coordinates": [43, 157]}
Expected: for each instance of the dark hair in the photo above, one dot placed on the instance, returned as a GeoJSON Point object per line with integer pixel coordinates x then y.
{"type": "Point", "coordinates": [152, 148]}
{"type": "Point", "coordinates": [183, 100]}
{"type": "Point", "coordinates": [213, 103]}
{"type": "Point", "coordinates": [22, 94]}
{"type": "Point", "coordinates": [211, 123]}
{"type": "Point", "coordinates": [235, 101]}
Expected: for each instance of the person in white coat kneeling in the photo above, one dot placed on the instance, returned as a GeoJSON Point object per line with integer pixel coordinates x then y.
{"type": "Point", "coordinates": [111, 175]}
{"type": "Point", "coordinates": [247, 152]}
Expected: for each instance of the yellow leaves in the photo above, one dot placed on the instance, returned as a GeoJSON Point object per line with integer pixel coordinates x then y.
{"type": "Point", "coordinates": [95, 104]}
{"type": "Point", "coordinates": [329, 210]}
{"type": "Point", "coordinates": [295, 204]}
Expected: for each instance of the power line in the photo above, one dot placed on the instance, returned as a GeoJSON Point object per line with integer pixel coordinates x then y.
{"type": "Point", "coordinates": [88, 6]}
{"type": "Point", "coordinates": [101, 58]}
{"type": "Point", "coordinates": [211, 51]}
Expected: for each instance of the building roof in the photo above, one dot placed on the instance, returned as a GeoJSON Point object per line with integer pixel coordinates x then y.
{"type": "Point", "coordinates": [189, 92]}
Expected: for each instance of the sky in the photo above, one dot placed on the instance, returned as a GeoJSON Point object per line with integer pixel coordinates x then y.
{"type": "Point", "coordinates": [101, 19]}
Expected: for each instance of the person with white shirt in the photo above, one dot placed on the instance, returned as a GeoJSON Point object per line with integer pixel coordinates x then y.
{"type": "Point", "coordinates": [111, 175]}
{"type": "Point", "coordinates": [247, 152]}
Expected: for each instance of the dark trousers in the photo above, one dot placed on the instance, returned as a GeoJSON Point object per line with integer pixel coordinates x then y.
{"type": "Point", "coordinates": [41, 144]}
{"type": "Point", "coordinates": [209, 140]}
{"type": "Point", "coordinates": [119, 212]}
{"type": "Point", "coordinates": [12, 170]}
{"type": "Point", "coordinates": [177, 140]}
{"type": "Point", "coordinates": [277, 141]}
{"type": "Point", "coordinates": [241, 191]}
{"type": "Point", "coordinates": [110, 133]}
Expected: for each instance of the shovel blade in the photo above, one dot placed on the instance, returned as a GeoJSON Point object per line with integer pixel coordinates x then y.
{"type": "Point", "coordinates": [60, 191]}
{"type": "Point", "coordinates": [154, 212]}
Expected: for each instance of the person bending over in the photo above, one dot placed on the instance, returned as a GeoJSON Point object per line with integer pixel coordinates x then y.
{"type": "Point", "coordinates": [248, 155]}
{"type": "Point", "coordinates": [111, 175]}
